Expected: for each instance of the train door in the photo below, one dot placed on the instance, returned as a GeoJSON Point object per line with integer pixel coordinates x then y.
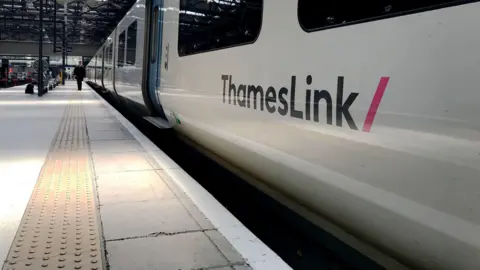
{"type": "Point", "coordinates": [102, 73]}
{"type": "Point", "coordinates": [154, 63]}
{"type": "Point", "coordinates": [155, 48]}
{"type": "Point", "coordinates": [95, 69]}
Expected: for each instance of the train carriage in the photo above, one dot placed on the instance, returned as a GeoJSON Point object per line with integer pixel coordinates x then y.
{"type": "Point", "coordinates": [364, 114]}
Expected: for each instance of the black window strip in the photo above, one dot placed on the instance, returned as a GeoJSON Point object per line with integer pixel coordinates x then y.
{"type": "Point", "coordinates": [216, 25]}
{"type": "Point", "coordinates": [320, 15]}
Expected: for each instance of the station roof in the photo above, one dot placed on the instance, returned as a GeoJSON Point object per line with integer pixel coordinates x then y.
{"type": "Point", "coordinates": [88, 21]}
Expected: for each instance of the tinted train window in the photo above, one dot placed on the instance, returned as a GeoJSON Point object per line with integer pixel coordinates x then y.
{"type": "Point", "coordinates": [315, 15]}
{"type": "Point", "coordinates": [110, 53]}
{"type": "Point", "coordinates": [131, 43]}
{"type": "Point", "coordinates": [110, 56]}
{"type": "Point", "coordinates": [216, 24]}
{"type": "Point", "coordinates": [105, 56]}
{"type": "Point", "coordinates": [121, 49]}
{"type": "Point", "coordinates": [100, 65]}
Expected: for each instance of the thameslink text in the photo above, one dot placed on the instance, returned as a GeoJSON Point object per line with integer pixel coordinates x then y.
{"type": "Point", "coordinates": [242, 95]}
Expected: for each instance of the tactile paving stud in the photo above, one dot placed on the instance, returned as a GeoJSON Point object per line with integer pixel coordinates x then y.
{"type": "Point", "coordinates": [54, 230]}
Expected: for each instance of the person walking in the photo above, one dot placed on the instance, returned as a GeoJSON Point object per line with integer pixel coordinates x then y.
{"type": "Point", "coordinates": [79, 73]}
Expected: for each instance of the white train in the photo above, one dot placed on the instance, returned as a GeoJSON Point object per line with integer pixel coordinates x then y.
{"type": "Point", "coordinates": [363, 117]}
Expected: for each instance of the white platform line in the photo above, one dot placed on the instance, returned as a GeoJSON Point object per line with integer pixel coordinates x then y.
{"type": "Point", "coordinates": [252, 249]}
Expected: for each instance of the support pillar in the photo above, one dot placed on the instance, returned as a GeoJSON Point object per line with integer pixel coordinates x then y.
{"type": "Point", "coordinates": [40, 54]}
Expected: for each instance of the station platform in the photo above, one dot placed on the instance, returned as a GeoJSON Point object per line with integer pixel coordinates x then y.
{"type": "Point", "coordinates": [82, 188]}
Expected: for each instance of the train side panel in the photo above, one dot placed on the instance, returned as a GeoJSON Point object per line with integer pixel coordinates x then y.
{"type": "Point", "coordinates": [108, 64]}
{"type": "Point", "coordinates": [128, 72]}
{"type": "Point", "coordinates": [372, 125]}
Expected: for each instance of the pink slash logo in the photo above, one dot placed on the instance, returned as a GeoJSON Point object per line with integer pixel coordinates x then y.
{"type": "Point", "coordinates": [377, 98]}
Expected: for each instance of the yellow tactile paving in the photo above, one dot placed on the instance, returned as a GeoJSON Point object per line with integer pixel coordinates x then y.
{"type": "Point", "coordinates": [60, 228]}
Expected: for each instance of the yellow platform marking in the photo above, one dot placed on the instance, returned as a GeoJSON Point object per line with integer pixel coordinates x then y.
{"type": "Point", "coordinates": [60, 228]}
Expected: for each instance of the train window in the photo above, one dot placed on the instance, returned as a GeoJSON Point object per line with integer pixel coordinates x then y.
{"type": "Point", "coordinates": [100, 64]}
{"type": "Point", "coordinates": [105, 57]}
{"type": "Point", "coordinates": [217, 24]}
{"type": "Point", "coordinates": [316, 15]}
{"type": "Point", "coordinates": [131, 43]}
{"type": "Point", "coordinates": [121, 49]}
{"type": "Point", "coordinates": [110, 56]}
{"type": "Point", "coordinates": [154, 43]}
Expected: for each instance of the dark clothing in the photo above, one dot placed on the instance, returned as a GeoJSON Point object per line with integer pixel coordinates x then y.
{"type": "Point", "coordinates": [79, 73]}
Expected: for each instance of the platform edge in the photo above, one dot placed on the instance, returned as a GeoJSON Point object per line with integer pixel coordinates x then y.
{"type": "Point", "coordinates": [258, 255]}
